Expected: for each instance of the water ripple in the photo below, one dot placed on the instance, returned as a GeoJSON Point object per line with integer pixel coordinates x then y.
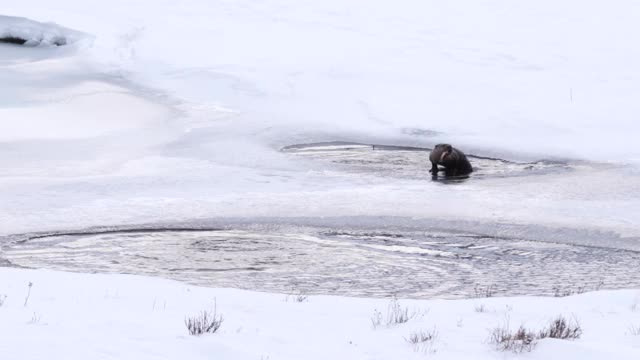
{"type": "Point", "coordinates": [420, 264]}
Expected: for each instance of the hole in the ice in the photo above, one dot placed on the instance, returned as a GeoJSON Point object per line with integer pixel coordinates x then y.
{"type": "Point", "coordinates": [12, 40]}
{"type": "Point", "coordinates": [411, 162]}
{"type": "Point", "coordinates": [15, 40]}
{"type": "Point", "coordinates": [20, 31]}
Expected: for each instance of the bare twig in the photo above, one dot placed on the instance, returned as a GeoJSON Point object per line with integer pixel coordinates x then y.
{"type": "Point", "coordinates": [26, 300]}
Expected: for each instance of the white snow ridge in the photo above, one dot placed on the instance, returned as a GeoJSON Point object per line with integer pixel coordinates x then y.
{"type": "Point", "coordinates": [23, 31]}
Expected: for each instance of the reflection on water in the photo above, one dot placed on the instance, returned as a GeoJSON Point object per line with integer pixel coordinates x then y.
{"type": "Point", "coordinates": [352, 262]}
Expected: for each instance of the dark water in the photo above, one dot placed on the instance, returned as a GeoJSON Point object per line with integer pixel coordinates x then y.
{"type": "Point", "coordinates": [347, 261]}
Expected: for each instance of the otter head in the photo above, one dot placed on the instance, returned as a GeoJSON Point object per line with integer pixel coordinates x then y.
{"type": "Point", "coordinates": [446, 151]}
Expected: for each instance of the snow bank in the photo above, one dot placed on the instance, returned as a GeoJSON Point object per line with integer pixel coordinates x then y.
{"type": "Point", "coordinates": [32, 33]}
{"type": "Point", "coordinates": [81, 316]}
{"type": "Point", "coordinates": [88, 109]}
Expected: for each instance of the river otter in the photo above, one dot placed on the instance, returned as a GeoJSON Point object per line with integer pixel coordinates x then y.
{"type": "Point", "coordinates": [454, 161]}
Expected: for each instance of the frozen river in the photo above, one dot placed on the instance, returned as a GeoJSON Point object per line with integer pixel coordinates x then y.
{"type": "Point", "coordinates": [357, 256]}
{"type": "Point", "coordinates": [272, 146]}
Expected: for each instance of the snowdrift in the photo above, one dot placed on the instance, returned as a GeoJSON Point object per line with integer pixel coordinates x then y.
{"type": "Point", "coordinates": [23, 31]}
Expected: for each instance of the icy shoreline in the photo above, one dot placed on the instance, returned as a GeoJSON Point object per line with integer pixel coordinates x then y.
{"type": "Point", "coordinates": [129, 317]}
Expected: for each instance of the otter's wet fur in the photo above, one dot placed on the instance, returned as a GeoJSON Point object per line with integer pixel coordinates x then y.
{"type": "Point", "coordinates": [455, 162]}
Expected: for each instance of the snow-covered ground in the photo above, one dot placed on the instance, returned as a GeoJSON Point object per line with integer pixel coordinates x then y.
{"type": "Point", "coordinates": [121, 113]}
{"type": "Point", "coordinates": [73, 316]}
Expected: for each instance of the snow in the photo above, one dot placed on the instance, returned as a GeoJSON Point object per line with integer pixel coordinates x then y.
{"type": "Point", "coordinates": [34, 33]}
{"type": "Point", "coordinates": [75, 117]}
{"type": "Point", "coordinates": [70, 316]}
{"type": "Point", "coordinates": [164, 112]}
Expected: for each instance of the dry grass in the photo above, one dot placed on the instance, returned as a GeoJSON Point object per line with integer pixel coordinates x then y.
{"type": "Point", "coordinates": [205, 322]}
{"type": "Point", "coordinates": [525, 340]}
{"type": "Point", "coordinates": [561, 328]}
{"type": "Point", "coordinates": [423, 341]}
{"type": "Point", "coordinates": [562, 292]}
{"type": "Point", "coordinates": [522, 340]}
{"type": "Point", "coordinates": [396, 314]}
{"type": "Point", "coordinates": [421, 336]}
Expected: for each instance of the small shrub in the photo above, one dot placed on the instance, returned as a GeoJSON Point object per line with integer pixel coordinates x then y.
{"type": "Point", "coordinates": [522, 340]}
{"type": "Point", "coordinates": [561, 328]}
{"type": "Point", "coordinates": [634, 330]}
{"type": "Point", "coordinates": [480, 308]}
{"type": "Point", "coordinates": [205, 322]}
{"type": "Point", "coordinates": [3, 298]}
